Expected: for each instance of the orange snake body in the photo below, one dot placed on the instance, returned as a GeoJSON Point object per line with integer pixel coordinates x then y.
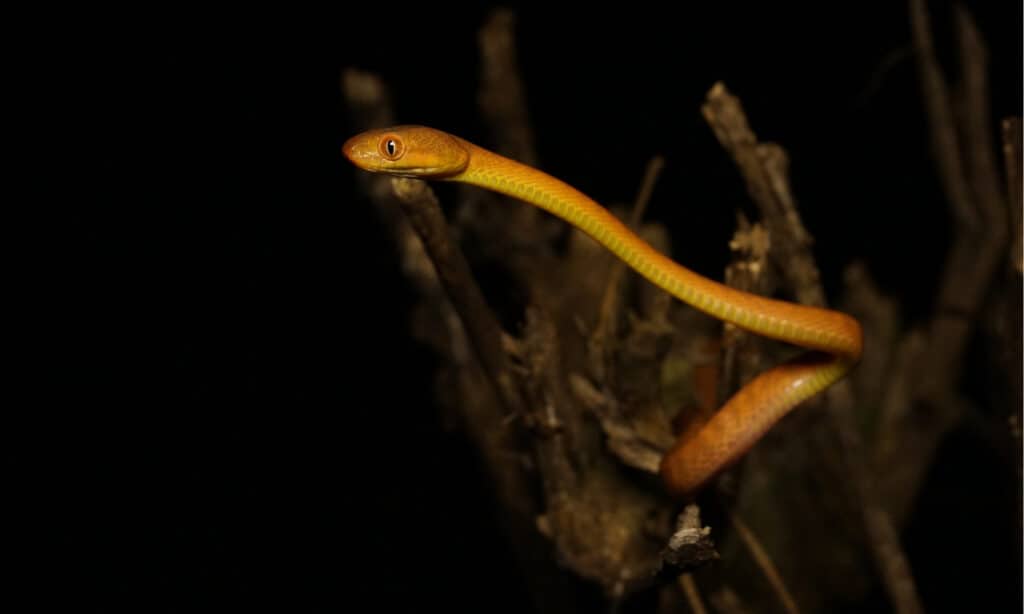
{"type": "Point", "coordinates": [834, 338]}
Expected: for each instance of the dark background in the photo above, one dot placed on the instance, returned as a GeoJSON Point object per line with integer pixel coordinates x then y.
{"type": "Point", "coordinates": [233, 413]}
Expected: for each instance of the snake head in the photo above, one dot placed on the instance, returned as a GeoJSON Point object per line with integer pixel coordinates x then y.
{"type": "Point", "coordinates": [408, 151]}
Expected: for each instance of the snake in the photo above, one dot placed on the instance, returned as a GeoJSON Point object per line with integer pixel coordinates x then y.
{"type": "Point", "coordinates": [832, 340]}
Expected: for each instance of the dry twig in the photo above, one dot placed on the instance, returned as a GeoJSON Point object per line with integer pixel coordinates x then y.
{"type": "Point", "coordinates": [764, 562]}
{"type": "Point", "coordinates": [610, 301]}
{"type": "Point", "coordinates": [689, 587]}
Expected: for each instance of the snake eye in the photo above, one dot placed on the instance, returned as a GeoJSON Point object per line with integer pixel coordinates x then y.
{"type": "Point", "coordinates": [391, 147]}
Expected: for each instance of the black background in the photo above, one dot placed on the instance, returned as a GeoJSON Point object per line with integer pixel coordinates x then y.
{"type": "Point", "coordinates": [233, 414]}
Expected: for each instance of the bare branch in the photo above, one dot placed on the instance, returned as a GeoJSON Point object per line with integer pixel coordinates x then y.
{"type": "Point", "coordinates": [368, 100]}
{"type": "Point", "coordinates": [689, 586]}
{"type": "Point", "coordinates": [764, 561]}
{"type": "Point", "coordinates": [1012, 161]}
{"type": "Point", "coordinates": [502, 96]}
{"type": "Point", "coordinates": [982, 168]}
{"type": "Point", "coordinates": [691, 545]}
{"type": "Point", "coordinates": [945, 148]}
{"type": "Point", "coordinates": [485, 334]}
{"type": "Point", "coordinates": [765, 171]}
{"type": "Point", "coordinates": [972, 264]}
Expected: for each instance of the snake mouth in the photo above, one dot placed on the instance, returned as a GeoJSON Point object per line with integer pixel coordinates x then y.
{"type": "Point", "coordinates": [428, 172]}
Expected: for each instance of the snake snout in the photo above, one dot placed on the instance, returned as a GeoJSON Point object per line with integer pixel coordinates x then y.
{"type": "Point", "coordinates": [355, 149]}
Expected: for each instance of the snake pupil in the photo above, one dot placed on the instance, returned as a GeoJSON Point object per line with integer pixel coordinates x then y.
{"type": "Point", "coordinates": [390, 147]}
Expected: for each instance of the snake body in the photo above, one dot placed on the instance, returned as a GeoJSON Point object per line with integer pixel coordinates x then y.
{"type": "Point", "coordinates": [833, 338]}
